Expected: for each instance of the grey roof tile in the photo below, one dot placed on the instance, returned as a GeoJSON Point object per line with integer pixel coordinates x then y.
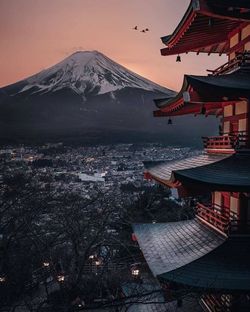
{"type": "Point", "coordinates": [168, 246]}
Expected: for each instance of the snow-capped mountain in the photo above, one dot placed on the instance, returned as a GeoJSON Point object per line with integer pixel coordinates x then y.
{"type": "Point", "coordinates": [88, 95]}
{"type": "Point", "coordinates": [87, 72]}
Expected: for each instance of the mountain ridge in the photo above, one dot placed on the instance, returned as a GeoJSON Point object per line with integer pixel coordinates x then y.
{"type": "Point", "coordinates": [91, 97]}
{"type": "Point", "coordinates": [86, 72]}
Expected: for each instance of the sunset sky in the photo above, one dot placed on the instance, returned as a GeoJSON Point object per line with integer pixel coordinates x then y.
{"type": "Point", "coordinates": [36, 34]}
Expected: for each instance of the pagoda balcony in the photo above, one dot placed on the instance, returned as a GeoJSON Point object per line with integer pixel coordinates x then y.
{"type": "Point", "coordinates": [221, 220]}
{"type": "Point", "coordinates": [228, 143]}
{"type": "Point", "coordinates": [215, 143]}
{"type": "Point", "coordinates": [242, 60]}
{"type": "Point", "coordinates": [216, 303]}
{"type": "Point", "coordinates": [213, 216]}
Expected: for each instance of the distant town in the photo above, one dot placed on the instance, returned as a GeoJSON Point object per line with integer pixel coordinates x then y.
{"type": "Point", "coordinates": [79, 170]}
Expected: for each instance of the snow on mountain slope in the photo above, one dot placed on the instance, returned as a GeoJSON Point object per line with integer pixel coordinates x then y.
{"type": "Point", "coordinates": [88, 72]}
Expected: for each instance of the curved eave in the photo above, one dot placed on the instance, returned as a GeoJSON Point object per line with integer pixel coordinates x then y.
{"type": "Point", "coordinates": [164, 172]}
{"type": "Point", "coordinates": [232, 85]}
{"type": "Point", "coordinates": [231, 174]}
{"type": "Point", "coordinates": [169, 246]}
{"type": "Point", "coordinates": [224, 268]}
{"type": "Point", "coordinates": [176, 102]}
{"type": "Point", "coordinates": [208, 92]}
{"type": "Point", "coordinates": [203, 29]}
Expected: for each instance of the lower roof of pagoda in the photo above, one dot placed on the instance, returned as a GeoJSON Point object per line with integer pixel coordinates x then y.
{"type": "Point", "coordinates": [229, 174]}
{"type": "Point", "coordinates": [163, 171]}
{"type": "Point", "coordinates": [189, 253]}
{"type": "Point", "coordinates": [206, 171]}
{"type": "Point", "coordinates": [225, 268]}
{"type": "Point", "coordinates": [210, 92]}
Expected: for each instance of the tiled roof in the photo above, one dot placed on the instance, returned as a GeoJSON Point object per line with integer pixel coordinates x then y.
{"type": "Point", "coordinates": [230, 174]}
{"type": "Point", "coordinates": [211, 88]}
{"type": "Point", "coordinates": [214, 172]}
{"type": "Point", "coordinates": [163, 170]}
{"type": "Point", "coordinates": [169, 246]}
{"type": "Point", "coordinates": [227, 268]}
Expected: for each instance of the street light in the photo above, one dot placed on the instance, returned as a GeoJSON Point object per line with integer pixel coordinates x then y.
{"type": "Point", "coordinates": [98, 262]}
{"type": "Point", "coordinates": [135, 272]}
{"type": "Point", "coordinates": [46, 264]}
{"type": "Point", "coordinates": [60, 278]}
{"type": "Point", "coordinates": [2, 279]}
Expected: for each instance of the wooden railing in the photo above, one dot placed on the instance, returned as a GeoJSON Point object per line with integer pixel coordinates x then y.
{"type": "Point", "coordinates": [223, 220]}
{"type": "Point", "coordinates": [217, 142]}
{"type": "Point", "coordinates": [241, 60]}
{"type": "Point", "coordinates": [235, 141]}
{"type": "Point", "coordinates": [212, 215]}
{"type": "Point", "coordinates": [215, 303]}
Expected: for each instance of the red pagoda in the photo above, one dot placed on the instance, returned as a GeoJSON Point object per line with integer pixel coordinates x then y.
{"type": "Point", "coordinates": [210, 254]}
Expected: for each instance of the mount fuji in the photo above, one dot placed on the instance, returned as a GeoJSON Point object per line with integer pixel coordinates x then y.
{"type": "Point", "coordinates": [88, 73]}
{"type": "Point", "coordinates": [87, 95]}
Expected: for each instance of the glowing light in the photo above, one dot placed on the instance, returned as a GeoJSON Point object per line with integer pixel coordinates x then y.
{"type": "Point", "coordinates": [97, 262]}
{"type": "Point", "coordinates": [60, 278]}
{"type": "Point", "coordinates": [2, 279]}
{"type": "Point", "coordinates": [46, 264]}
{"type": "Point", "coordinates": [135, 272]}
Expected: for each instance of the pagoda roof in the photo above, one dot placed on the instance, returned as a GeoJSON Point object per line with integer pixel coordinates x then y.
{"type": "Point", "coordinates": [210, 92]}
{"type": "Point", "coordinates": [163, 171]}
{"type": "Point", "coordinates": [225, 268]}
{"type": "Point", "coordinates": [189, 253]}
{"type": "Point", "coordinates": [169, 246]}
{"type": "Point", "coordinates": [206, 25]}
{"type": "Point", "coordinates": [229, 174]}
{"type": "Point", "coordinates": [213, 172]}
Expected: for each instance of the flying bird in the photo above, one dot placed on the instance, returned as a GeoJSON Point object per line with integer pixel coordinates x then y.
{"type": "Point", "coordinates": [143, 31]}
{"type": "Point", "coordinates": [135, 28]}
{"type": "Point", "coordinates": [146, 29]}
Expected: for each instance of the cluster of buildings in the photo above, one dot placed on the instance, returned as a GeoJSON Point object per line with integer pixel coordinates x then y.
{"type": "Point", "coordinates": [87, 170]}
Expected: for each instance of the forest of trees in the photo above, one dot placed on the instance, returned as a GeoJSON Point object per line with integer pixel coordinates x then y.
{"type": "Point", "coordinates": [60, 252]}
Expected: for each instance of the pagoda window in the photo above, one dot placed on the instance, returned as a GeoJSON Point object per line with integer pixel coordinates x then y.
{"type": "Point", "coordinates": [234, 40]}
{"type": "Point", "coordinates": [217, 199]}
{"type": "Point", "coordinates": [232, 56]}
{"type": "Point", "coordinates": [241, 108]}
{"type": "Point", "coordinates": [228, 111]}
{"type": "Point", "coordinates": [243, 125]}
{"type": "Point", "coordinates": [234, 207]}
{"type": "Point", "coordinates": [247, 46]}
{"type": "Point", "coordinates": [225, 201]}
{"type": "Point", "coordinates": [226, 127]}
{"type": "Point", "coordinates": [245, 32]}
